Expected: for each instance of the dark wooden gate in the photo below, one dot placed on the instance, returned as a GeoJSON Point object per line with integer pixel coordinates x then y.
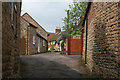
{"type": "Point", "coordinates": [75, 46]}
{"type": "Point", "coordinates": [22, 46]}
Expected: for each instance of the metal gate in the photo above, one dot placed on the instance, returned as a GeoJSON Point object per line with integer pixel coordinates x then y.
{"type": "Point", "coordinates": [75, 46]}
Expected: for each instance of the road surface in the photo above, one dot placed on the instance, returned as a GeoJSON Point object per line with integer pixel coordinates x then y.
{"type": "Point", "coordinates": [53, 65]}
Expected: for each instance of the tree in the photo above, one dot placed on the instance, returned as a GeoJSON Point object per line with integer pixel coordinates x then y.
{"type": "Point", "coordinates": [75, 16]}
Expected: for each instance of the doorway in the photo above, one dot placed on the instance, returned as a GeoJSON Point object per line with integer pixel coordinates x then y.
{"type": "Point", "coordinates": [39, 45]}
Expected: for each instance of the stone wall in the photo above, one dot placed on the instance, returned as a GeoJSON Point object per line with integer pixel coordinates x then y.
{"type": "Point", "coordinates": [23, 28]}
{"type": "Point", "coordinates": [10, 39]}
{"type": "Point", "coordinates": [103, 40]}
{"type": "Point", "coordinates": [43, 48]}
{"type": "Point", "coordinates": [23, 46]}
{"type": "Point", "coordinates": [23, 36]}
{"type": "Point", "coordinates": [90, 41]}
{"type": "Point", "coordinates": [119, 39]}
{"type": "Point", "coordinates": [32, 47]}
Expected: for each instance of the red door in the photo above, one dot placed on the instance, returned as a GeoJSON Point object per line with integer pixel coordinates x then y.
{"type": "Point", "coordinates": [75, 46]}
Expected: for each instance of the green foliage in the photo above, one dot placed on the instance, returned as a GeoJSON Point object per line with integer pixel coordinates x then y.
{"type": "Point", "coordinates": [75, 16]}
{"type": "Point", "coordinates": [64, 37]}
{"type": "Point", "coordinates": [62, 46]}
{"type": "Point", "coordinates": [77, 32]}
{"type": "Point", "coordinates": [52, 48]}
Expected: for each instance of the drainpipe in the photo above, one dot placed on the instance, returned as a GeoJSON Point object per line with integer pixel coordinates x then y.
{"type": "Point", "coordinates": [86, 41]}
{"type": "Point", "coordinates": [27, 40]}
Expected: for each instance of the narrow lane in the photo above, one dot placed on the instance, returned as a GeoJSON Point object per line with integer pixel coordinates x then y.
{"type": "Point", "coordinates": [52, 65]}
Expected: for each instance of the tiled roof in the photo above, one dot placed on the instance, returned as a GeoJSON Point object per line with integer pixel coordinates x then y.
{"type": "Point", "coordinates": [56, 37]}
{"type": "Point", "coordinates": [51, 35]}
{"type": "Point", "coordinates": [60, 35]}
{"type": "Point", "coordinates": [28, 18]}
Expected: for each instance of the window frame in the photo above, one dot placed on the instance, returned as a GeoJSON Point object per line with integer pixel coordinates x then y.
{"type": "Point", "coordinates": [43, 42]}
{"type": "Point", "coordinates": [34, 40]}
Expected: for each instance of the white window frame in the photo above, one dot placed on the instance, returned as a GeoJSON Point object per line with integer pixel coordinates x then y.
{"type": "Point", "coordinates": [43, 42]}
{"type": "Point", "coordinates": [15, 6]}
{"type": "Point", "coordinates": [54, 42]}
{"type": "Point", "coordinates": [33, 39]}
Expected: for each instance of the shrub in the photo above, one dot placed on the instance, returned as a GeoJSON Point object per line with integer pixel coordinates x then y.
{"type": "Point", "coordinates": [52, 48]}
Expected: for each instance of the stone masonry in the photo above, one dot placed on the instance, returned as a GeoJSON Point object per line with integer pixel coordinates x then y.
{"type": "Point", "coordinates": [30, 30]}
{"type": "Point", "coordinates": [103, 49]}
{"type": "Point", "coordinates": [10, 39]}
{"type": "Point", "coordinates": [43, 48]}
{"type": "Point", "coordinates": [32, 47]}
{"type": "Point", "coordinates": [23, 36]}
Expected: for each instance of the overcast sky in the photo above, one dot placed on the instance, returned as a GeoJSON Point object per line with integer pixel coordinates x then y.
{"type": "Point", "coordinates": [48, 13]}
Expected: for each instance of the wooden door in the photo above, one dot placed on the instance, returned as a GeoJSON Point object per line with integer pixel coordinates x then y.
{"type": "Point", "coordinates": [22, 46]}
{"type": "Point", "coordinates": [75, 46]}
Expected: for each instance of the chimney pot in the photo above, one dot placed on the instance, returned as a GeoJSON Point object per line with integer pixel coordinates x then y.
{"type": "Point", "coordinates": [58, 30]}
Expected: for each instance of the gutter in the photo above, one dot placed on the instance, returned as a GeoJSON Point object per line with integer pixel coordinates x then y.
{"type": "Point", "coordinates": [27, 40]}
{"type": "Point", "coordinates": [39, 34]}
{"type": "Point", "coordinates": [81, 26]}
{"type": "Point", "coordinates": [87, 11]}
{"type": "Point", "coordinates": [86, 18]}
{"type": "Point", "coordinates": [86, 41]}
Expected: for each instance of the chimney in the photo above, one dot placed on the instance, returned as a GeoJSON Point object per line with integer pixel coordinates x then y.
{"type": "Point", "coordinates": [58, 30]}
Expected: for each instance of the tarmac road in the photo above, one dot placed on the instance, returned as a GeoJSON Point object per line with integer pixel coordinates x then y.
{"type": "Point", "coordinates": [53, 65]}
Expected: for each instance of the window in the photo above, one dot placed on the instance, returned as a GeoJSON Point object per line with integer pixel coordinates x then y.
{"type": "Point", "coordinates": [14, 19]}
{"type": "Point", "coordinates": [49, 43]}
{"type": "Point", "coordinates": [53, 42]}
{"type": "Point", "coordinates": [15, 7]}
{"type": "Point", "coordinates": [33, 39]}
{"type": "Point", "coordinates": [43, 42]}
{"type": "Point", "coordinates": [12, 15]}
{"type": "Point", "coordinates": [15, 25]}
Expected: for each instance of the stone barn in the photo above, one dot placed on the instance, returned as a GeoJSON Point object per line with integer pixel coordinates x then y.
{"type": "Point", "coordinates": [33, 36]}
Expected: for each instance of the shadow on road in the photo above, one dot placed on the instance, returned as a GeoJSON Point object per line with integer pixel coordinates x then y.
{"type": "Point", "coordinates": [39, 67]}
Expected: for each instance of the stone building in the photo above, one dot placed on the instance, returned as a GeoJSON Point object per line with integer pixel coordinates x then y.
{"type": "Point", "coordinates": [52, 39]}
{"type": "Point", "coordinates": [32, 39]}
{"type": "Point", "coordinates": [101, 50]}
{"type": "Point", "coordinates": [10, 39]}
{"type": "Point", "coordinates": [56, 39]}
